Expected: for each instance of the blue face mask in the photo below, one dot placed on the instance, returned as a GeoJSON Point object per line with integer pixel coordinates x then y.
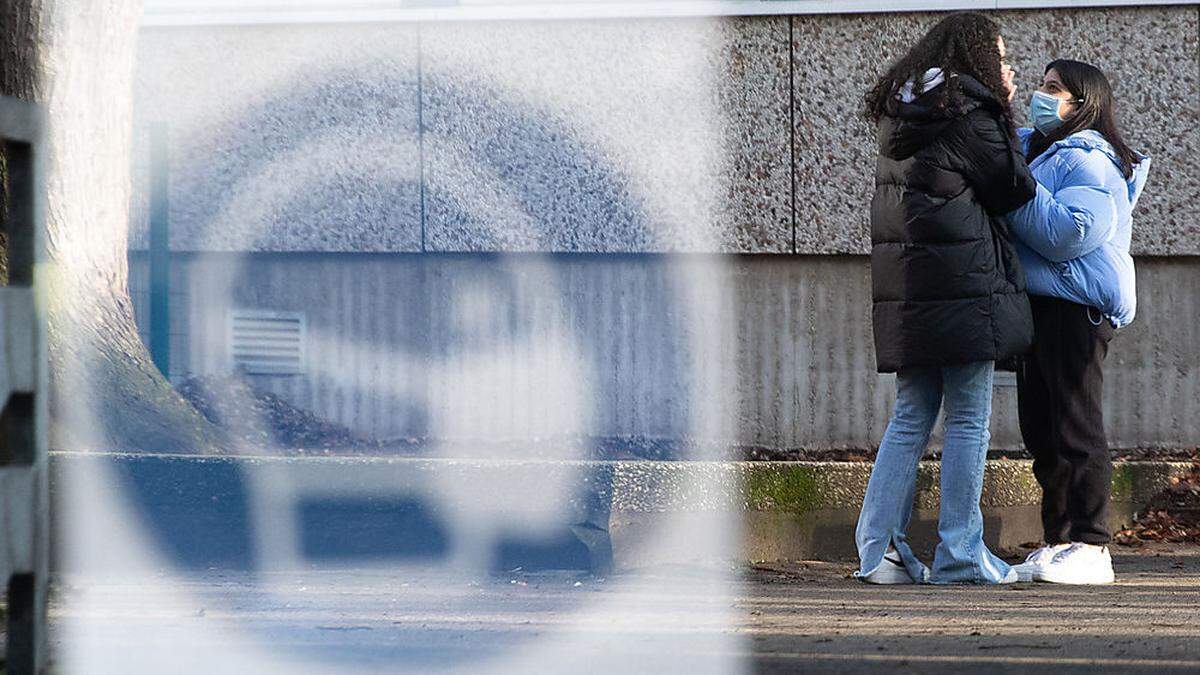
{"type": "Point", "coordinates": [1043, 112]}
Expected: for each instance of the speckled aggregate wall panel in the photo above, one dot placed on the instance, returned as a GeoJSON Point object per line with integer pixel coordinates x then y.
{"type": "Point", "coordinates": [625, 136]}
{"type": "Point", "coordinates": [836, 59]}
{"type": "Point", "coordinates": [1149, 53]}
{"type": "Point", "coordinates": [284, 138]}
{"type": "Point", "coordinates": [1152, 57]}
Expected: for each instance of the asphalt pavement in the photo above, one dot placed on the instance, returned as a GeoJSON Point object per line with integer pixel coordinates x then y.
{"type": "Point", "coordinates": [811, 617]}
{"type": "Point", "coordinates": [736, 618]}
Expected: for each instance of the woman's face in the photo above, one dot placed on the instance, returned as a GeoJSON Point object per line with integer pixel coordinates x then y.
{"type": "Point", "coordinates": [1006, 71]}
{"type": "Point", "coordinates": [1052, 85]}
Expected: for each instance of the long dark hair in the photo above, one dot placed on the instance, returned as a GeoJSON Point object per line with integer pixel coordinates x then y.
{"type": "Point", "coordinates": [964, 43]}
{"type": "Point", "coordinates": [1097, 110]}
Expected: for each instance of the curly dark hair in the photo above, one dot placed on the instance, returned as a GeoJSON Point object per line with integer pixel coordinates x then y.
{"type": "Point", "coordinates": [963, 43]}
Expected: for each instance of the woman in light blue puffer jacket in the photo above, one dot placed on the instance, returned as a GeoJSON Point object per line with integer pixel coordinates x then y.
{"type": "Point", "coordinates": [1073, 242]}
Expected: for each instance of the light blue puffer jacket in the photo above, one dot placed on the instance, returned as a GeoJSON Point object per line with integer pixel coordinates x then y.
{"type": "Point", "coordinates": [1073, 237]}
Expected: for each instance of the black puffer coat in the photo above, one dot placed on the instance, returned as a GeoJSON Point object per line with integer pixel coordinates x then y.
{"type": "Point", "coordinates": [946, 283]}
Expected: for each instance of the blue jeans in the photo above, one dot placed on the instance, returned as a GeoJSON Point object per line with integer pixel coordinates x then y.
{"type": "Point", "coordinates": [961, 555]}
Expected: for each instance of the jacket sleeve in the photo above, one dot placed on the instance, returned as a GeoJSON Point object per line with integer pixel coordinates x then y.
{"type": "Point", "coordinates": [1067, 221]}
{"type": "Point", "coordinates": [993, 166]}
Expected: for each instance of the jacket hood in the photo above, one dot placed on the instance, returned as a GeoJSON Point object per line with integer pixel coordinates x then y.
{"type": "Point", "coordinates": [1090, 139]}
{"type": "Point", "coordinates": [913, 120]}
{"type": "Point", "coordinates": [932, 79]}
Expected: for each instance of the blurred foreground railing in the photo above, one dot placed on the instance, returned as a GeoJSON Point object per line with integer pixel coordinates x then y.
{"type": "Point", "coordinates": [24, 504]}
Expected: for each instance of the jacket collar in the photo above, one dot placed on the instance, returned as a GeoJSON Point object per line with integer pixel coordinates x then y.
{"type": "Point", "coordinates": [974, 89]}
{"type": "Point", "coordinates": [1090, 139]}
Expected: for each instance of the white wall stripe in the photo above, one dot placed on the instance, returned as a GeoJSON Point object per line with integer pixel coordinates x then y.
{"type": "Point", "coordinates": [232, 12]}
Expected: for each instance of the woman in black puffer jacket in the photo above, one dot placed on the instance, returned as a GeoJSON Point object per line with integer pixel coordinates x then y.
{"type": "Point", "coordinates": [949, 296]}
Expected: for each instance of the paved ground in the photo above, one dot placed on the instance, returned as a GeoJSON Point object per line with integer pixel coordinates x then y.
{"type": "Point", "coordinates": [769, 618]}
{"type": "Point", "coordinates": [809, 616]}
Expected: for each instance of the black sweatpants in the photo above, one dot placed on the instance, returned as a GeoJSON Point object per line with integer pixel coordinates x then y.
{"type": "Point", "coordinates": [1060, 392]}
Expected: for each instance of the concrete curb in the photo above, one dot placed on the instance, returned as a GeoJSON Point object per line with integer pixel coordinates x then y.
{"type": "Point", "coordinates": [787, 510]}
{"type": "Point", "coordinates": [808, 510]}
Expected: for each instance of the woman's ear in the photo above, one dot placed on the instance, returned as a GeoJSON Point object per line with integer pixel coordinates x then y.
{"type": "Point", "coordinates": [1067, 108]}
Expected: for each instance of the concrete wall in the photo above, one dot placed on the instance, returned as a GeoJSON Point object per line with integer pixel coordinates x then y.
{"type": "Point", "coordinates": [395, 160]}
{"type": "Point", "coordinates": [725, 135]}
{"type": "Point", "coordinates": [790, 358]}
{"type": "Point", "coordinates": [1150, 54]}
{"type": "Point", "coordinates": [598, 136]}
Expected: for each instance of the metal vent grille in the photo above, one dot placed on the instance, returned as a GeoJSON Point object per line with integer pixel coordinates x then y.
{"type": "Point", "coordinates": [267, 343]}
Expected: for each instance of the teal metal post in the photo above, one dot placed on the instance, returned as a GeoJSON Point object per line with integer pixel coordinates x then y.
{"type": "Point", "coordinates": [160, 251]}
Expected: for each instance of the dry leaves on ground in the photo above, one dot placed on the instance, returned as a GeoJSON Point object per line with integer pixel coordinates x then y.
{"type": "Point", "coordinates": [1173, 515]}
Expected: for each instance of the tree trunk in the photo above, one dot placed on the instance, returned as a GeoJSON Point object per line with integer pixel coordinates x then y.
{"type": "Point", "coordinates": [76, 57]}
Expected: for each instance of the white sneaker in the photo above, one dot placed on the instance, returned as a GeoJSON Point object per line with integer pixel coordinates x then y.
{"type": "Point", "coordinates": [1037, 560]}
{"type": "Point", "coordinates": [889, 572]}
{"type": "Point", "coordinates": [1079, 564]}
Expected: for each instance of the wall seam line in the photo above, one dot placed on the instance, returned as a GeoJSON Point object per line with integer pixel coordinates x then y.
{"type": "Point", "coordinates": [792, 122]}
{"type": "Point", "coordinates": [421, 135]}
